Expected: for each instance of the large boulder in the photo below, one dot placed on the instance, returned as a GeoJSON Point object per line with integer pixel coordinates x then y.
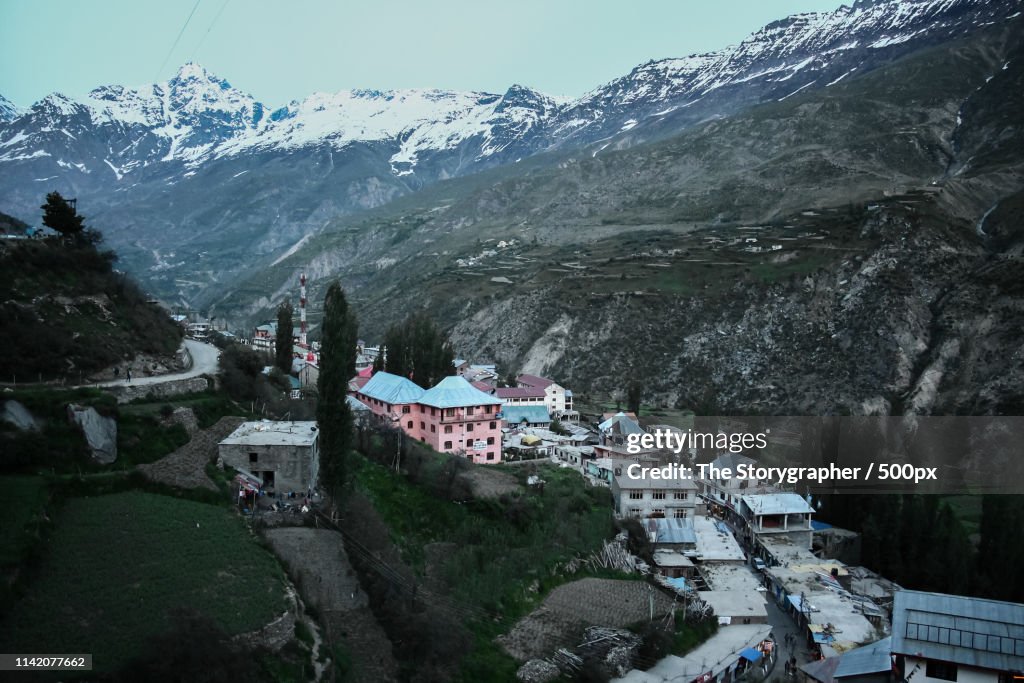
{"type": "Point", "coordinates": [18, 415]}
{"type": "Point", "coordinates": [100, 432]}
{"type": "Point", "coordinates": [538, 671]}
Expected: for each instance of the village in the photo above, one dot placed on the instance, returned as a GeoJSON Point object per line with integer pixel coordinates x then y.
{"type": "Point", "coordinates": [785, 589]}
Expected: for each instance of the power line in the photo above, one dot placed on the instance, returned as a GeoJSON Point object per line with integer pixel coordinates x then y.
{"type": "Point", "coordinates": [210, 28]}
{"type": "Point", "coordinates": [176, 40]}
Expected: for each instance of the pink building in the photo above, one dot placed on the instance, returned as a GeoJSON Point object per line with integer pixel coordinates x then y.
{"type": "Point", "coordinates": [452, 417]}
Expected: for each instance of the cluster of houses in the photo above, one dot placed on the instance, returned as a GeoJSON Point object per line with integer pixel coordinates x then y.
{"type": "Point", "coordinates": [735, 545]}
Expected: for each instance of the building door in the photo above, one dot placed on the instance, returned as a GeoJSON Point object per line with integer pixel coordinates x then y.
{"type": "Point", "coordinates": [268, 479]}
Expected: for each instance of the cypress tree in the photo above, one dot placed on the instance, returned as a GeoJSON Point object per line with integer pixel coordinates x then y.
{"type": "Point", "coordinates": [283, 342]}
{"type": "Point", "coordinates": [337, 366]}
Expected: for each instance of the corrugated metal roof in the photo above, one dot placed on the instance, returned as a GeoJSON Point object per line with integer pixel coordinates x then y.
{"type": "Point", "coordinates": [456, 392]}
{"type": "Point", "coordinates": [732, 461]}
{"type": "Point", "coordinates": [954, 628]}
{"type": "Point", "coordinates": [621, 423]}
{"type": "Point", "coordinates": [671, 530]}
{"type": "Point", "coordinates": [356, 405]}
{"type": "Point", "coordinates": [777, 504]}
{"type": "Point", "coordinates": [535, 381]}
{"type": "Point", "coordinates": [870, 659]}
{"type": "Point", "coordinates": [531, 414]}
{"type": "Point", "coordinates": [389, 388]}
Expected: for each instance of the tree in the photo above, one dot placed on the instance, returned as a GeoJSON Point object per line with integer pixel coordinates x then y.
{"type": "Point", "coordinates": [59, 214]}
{"type": "Point", "coordinates": [337, 366]}
{"type": "Point", "coordinates": [283, 342]}
{"type": "Point", "coordinates": [417, 349]}
{"type": "Point", "coordinates": [633, 396]}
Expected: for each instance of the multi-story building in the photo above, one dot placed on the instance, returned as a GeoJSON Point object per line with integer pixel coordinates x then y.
{"type": "Point", "coordinates": [774, 517]}
{"type": "Point", "coordinates": [452, 417]}
{"type": "Point", "coordinates": [643, 496]}
{"type": "Point", "coordinates": [557, 399]}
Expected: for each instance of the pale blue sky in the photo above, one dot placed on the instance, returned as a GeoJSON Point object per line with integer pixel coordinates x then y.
{"type": "Point", "coordinates": [285, 50]}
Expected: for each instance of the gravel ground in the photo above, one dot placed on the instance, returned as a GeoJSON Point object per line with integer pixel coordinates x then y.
{"type": "Point", "coordinates": [570, 608]}
{"type": "Point", "coordinates": [186, 467]}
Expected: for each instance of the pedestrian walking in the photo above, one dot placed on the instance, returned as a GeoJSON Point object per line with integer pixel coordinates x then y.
{"type": "Point", "coordinates": [128, 376]}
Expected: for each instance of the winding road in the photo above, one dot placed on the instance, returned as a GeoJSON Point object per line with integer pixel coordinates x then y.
{"type": "Point", "coordinates": [205, 359]}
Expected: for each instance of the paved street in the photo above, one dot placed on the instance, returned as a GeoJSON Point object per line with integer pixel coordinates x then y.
{"type": "Point", "coordinates": [205, 359]}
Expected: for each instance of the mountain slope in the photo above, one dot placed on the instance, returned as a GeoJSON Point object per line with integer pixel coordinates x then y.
{"type": "Point", "coordinates": [188, 176]}
{"type": "Point", "coordinates": [819, 253]}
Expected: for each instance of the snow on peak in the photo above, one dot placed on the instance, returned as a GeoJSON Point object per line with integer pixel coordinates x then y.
{"type": "Point", "coordinates": [8, 110]}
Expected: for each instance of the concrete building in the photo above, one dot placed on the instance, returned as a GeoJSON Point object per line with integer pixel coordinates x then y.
{"type": "Point", "coordinates": [648, 497]}
{"type": "Point", "coordinates": [869, 664]}
{"type": "Point", "coordinates": [777, 515]}
{"type": "Point", "coordinates": [282, 455]}
{"type": "Point", "coordinates": [555, 397]}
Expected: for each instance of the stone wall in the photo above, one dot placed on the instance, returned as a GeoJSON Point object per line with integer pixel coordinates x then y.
{"type": "Point", "coordinates": [130, 392]}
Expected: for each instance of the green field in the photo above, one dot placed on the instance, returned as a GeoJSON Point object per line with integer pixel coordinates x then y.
{"type": "Point", "coordinates": [25, 497]}
{"type": "Point", "coordinates": [116, 565]}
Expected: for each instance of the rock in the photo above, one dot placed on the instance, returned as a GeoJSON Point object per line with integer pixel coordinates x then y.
{"type": "Point", "coordinates": [185, 417]}
{"type": "Point", "coordinates": [18, 415]}
{"type": "Point", "coordinates": [100, 432]}
{"type": "Point", "coordinates": [537, 671]}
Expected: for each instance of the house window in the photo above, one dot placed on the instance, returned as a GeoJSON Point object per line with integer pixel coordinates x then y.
{"type": "Point", "coordinates": [490, 441]}
{"type": "Point", "coordinates": [680, 495]}
{"type": "Point", "coordinates": [469, 427]}
{"type": "Point", "coordinates": [469, 410]}
{"type": "Point", "coordinates": [490, 456]}
{"type": "Point", "coordinates": [658, 512]}
{"type": "Point", "coordinates": [634, 512]}
{"type": "Point", "coordinates": [449, 412]}
{"type": "Point", "coordinates": [422, 410]}
{"type": "Point", "coordinates": [253, 457]}
{"type": "Point", "coordinates": [494, 425]}
{"type": "Point", "coordinates": [433, 412]}
{"type": "Point", "coordinates": [942, 670]}
{"type": "Point", "coordinates": [423, 439]}
{"type": "Point", "coordinates": [409, 424]}
{"type": "Point", "coordinates": [658, 495]}
{"type": "Point", "coordinates": [636, 495]}
{"type": "Point", "coordinates": [447, 429]}
{"type": "Point", "coordinates": [423, 425]}
{"type": "Point", "coordinates": [487, 409]}
{"type": "Point", "coordinates": [406, 410]}
{"type": "Point", "coordinates": [432, 429]}
{"type": "Point", "coordinates": [469, 443]}
{"type": "Point", "coordinates": [448, 445]}
{"type": "Point", "coordinates": [679, 513]}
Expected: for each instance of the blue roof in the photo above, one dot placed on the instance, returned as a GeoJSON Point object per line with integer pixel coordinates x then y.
{"type": "Point", "coordinates": [389, 388]}
{"type": "Point", "coordinates": [818, 526]}
{"type": "Point", "coordinates": [356, 405]}
{"type": "Point", "coordinates": [454, 392]}
{"type": "Point", "coordinates": [624, 424]}
{"type": "Point", "coordinates": [671, 530]}
{"type": "Point", "coordinates": [531, 414]}
{"type": "Point", "coordinates": [750, 654]}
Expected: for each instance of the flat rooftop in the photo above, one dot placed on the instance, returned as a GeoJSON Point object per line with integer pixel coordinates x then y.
{"type": "Point", "coordinates": [730, 577]}
{"type": "Point", "coordinates": [736, 604]}
{"type": "Point", "coordinates": [271, 433]}
{"type": "Point", "coordinates": [786, 551]}
{"type": "Point", "coordinates": [715, 541]}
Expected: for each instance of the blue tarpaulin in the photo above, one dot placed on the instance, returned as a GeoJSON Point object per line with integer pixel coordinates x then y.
{"type": "Point", "coordinates": [750, 654]}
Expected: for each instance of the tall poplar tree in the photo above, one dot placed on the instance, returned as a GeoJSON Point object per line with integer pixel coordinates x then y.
{"type": "Point", "coordinates": [337, 365]}
{"type": "Point", "coordinates": [283, 342]}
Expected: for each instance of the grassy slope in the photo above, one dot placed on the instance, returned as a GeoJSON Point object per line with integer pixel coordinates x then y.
{"type": "Point", "coordinates": [66, 313]}
{"type": "Point", "coordinates": [117, 564]}
{"type": "Point", "coordinates": [500, 547]}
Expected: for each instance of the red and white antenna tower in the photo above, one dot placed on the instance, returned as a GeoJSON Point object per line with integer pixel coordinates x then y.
{"type": "Point", "coordinates": [302, 310]}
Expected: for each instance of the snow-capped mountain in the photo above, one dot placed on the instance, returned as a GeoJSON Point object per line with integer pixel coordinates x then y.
{"type": "Point", "coordinates": [195, 161]}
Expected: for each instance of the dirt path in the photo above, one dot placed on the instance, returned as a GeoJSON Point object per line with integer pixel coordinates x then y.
{"type": "Point", "coordinates": [320, 568]}
{"type": "Point", "coordinates": [205, 359]}
{"type": "Point", "coordinates": [186, 467]}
